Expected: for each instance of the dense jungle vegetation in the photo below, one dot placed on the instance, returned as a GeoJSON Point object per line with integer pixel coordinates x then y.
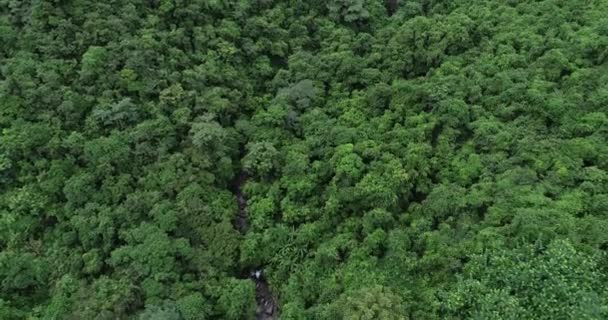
{"type": "Point", "coordinates": [411, 159]}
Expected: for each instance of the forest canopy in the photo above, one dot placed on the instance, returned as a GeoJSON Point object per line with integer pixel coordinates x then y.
{"type": "Point", "coordinates": [398, 159]}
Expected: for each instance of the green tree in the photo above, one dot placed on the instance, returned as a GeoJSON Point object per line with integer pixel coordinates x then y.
{"type": "Point", "coordinates": [530, 282]}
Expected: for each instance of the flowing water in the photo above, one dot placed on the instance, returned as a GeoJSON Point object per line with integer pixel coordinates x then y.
{"type": "Point", "coordinates": [266, 303]}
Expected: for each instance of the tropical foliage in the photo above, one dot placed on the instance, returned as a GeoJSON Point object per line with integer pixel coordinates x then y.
{"type": "Point", "coordinates": [419, 159]}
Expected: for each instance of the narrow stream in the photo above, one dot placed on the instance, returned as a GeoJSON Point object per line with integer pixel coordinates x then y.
{"type": "Point", "coordinates": [266, 303]}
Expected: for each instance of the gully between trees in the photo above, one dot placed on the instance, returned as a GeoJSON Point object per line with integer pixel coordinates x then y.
{"type": "Point", "coordinates": [266, 303]}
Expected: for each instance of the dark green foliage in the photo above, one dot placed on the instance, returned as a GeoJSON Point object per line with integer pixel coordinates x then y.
{"type": "Point", "coordinates": [405, 159]}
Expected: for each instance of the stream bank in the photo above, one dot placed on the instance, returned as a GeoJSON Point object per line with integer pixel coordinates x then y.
{"type": "Point", "coordinates": [266, 305]}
